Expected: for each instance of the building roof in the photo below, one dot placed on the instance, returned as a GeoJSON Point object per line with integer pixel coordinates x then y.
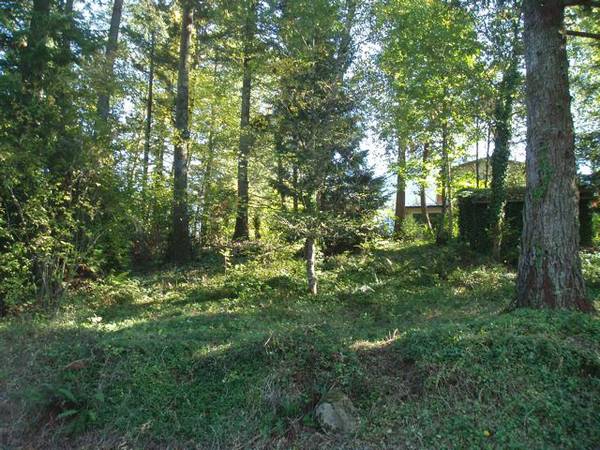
{"type": "Point", "coordinates": [419, 207]}
{"type": "Point", "coordinates": [484, 160]}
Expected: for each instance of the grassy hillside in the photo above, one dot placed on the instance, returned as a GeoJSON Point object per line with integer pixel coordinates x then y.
{"type": "Point", "coordinates": [416, 336]}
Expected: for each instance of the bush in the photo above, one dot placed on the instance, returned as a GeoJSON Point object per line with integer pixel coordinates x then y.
{"type": "Point", "coordinates": [16, 283]}
{"type": "Point", "coordinates": [412, 230]}
{"type": "Point", "coordinates": [590, 263]}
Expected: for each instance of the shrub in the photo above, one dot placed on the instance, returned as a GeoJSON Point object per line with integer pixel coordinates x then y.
{"type": "Point", "coordinates": [590, 263]}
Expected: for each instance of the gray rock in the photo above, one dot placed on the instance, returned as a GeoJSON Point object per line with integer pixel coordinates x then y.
{"type": "Point", "coordinates": [337, 414]}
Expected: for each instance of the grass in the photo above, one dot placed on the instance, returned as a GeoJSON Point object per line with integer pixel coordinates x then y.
{"type": "Point", "coordinates": [416, 336]}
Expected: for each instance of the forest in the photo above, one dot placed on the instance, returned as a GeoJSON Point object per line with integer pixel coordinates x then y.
{"type": "Point", "coordinates": [294, 224]}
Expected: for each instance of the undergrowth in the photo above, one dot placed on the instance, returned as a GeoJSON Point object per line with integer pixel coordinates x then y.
{"type": "Point", "coordinates": [238, 357]}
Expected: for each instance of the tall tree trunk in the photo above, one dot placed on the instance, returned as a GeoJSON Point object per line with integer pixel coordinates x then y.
{"type": "Point", "coordinates": [449, 193]}
{"type": "Point", "coordinates": [242, 232]}
{"type": "Point", "coordinates": [206, 196]}
{"type": "Point", "coordinates": [282, 197]}
{"type": "Point", "coordinates": [440, 231]}
{"type": "Point", "coordinates": [206, 190]}
{"type": "Point", "coordinates": [310, 250]}
{"type": "Point", "coordinates": [400, 191]}
{"type": "Point", "coordinates": [103, 107]}
{"type": "Point", "coordinates": [423, 189]}
{"type": "Point", "coordinates": [149, 105]}
{"type": "Point", "coordinates": [549, 264]}
{"type": "Point", "coordinates": [35, 56]}
{"type": "Point", "coordinates": [280, 171]}
{"type": "Point", "coordinates": [157, 182]}
{"type": "Point", "coordinates": [180, 249]}
{"type": "Point", "coordinates": [296, 188]}
{"type": "Point", "coordinates": [67, 31]}
{"type": "Point", "coordinates": [257, 226]}
{"type": "Point", "coordinates": [487, 156]}
{"type": "Point", "coordinates": [446, 226]}
{"type": "Point", "coordinates": [501, 154]}
{"type": "Point", "coordinates": [477, 162]}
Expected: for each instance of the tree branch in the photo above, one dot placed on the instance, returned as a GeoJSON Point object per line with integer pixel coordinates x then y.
{"type": "Point", "coordinates": [583, 34]}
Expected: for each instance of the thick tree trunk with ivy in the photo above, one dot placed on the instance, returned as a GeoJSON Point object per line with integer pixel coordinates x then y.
{"type": "Point", "coordinates": [501, 154]}
{"type": "Point", "coordinates": [242, 231]}
{"type": "Point", "coordinates": [103, 107]}
{"type": "Point", "coordinates": [400, 212]}
{"type": "Point", "coordinates": [180, 246]}
{"type": "Point", "coordinates": [549, 265]}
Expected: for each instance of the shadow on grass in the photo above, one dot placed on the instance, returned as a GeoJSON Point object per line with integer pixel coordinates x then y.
{"type": "Point", "coordinates": [172, 379]}
{"type": "Point", "coordinates": [190, 369]}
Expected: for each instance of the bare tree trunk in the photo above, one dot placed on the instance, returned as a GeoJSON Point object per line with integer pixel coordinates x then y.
{"type": "Point", "coordinates": [487, 155]}
{"type": "Point", "coordinates": [206, 191]}
{"type": "Point", "coordinates": [180, 249]}
{"type": "Point", "coordinates": [440, 235]}
{"type": "Point", "coordinates": [423, 188]}
{"type": "Point", "coordinates": [103, 107]}
{"type": "Point", "coordinates": [280, 170]}
{"type": "Point", "coordinates": [157, 180]}
{"type": "Point", "coordinates": [477, 156]}
{"type": "Point", "coordinates": [424, 208]}
{"type": "Point", "coordinates": [296, 187]}
{"type": "Point", "coordinates": [310, 250]}
{"type": "Point", "coordinates": [257, 226]}
{"type": "Point", "coordinates": [242, 231]}
{"type": "Point", "coordinates": [282, 197]}
{"type": "Point", "coordinates": [549, 264]}
{"type": "Point", "coordinates": [400, 191]}
{"type": "Point", "coordinates": [206, 196]}
{"type": "Point", "coordinates": [450, 196]}
{"type": "Point", "coordinates": [446, 226]}
{"type": "Point", "coordinates": [149, 100]}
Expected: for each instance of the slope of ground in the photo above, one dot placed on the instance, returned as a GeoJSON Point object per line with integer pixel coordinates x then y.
{"type": "Point", "coordinates": [415, 336]}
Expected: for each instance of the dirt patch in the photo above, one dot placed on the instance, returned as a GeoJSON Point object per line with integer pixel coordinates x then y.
{"type": "Point", "coordinates": [396, 378]}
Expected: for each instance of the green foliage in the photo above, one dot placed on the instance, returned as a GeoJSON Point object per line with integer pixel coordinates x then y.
{"type": "Point", "coordinates": [231, 352]}
{"type": "Point", "coordinates": [60, 200]}
{"type": "Point", "coordinates": [596, 228]}
{"type": "Point", "coordinates": [432, 88]}
{"type": "Point", "coordinates": [413, 230]}
{"type": "Point", "coordinates": [590, 262]}
{"type": "Point", "coordinates": [204, 356]}
{"type": "Point", "coordinates": [502, 381]}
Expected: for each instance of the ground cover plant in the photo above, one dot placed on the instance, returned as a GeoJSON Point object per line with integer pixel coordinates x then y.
{"type": "Point", "coordinates": [419, 337]}
{"type": "Point", "coordinates": [243, 224]}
